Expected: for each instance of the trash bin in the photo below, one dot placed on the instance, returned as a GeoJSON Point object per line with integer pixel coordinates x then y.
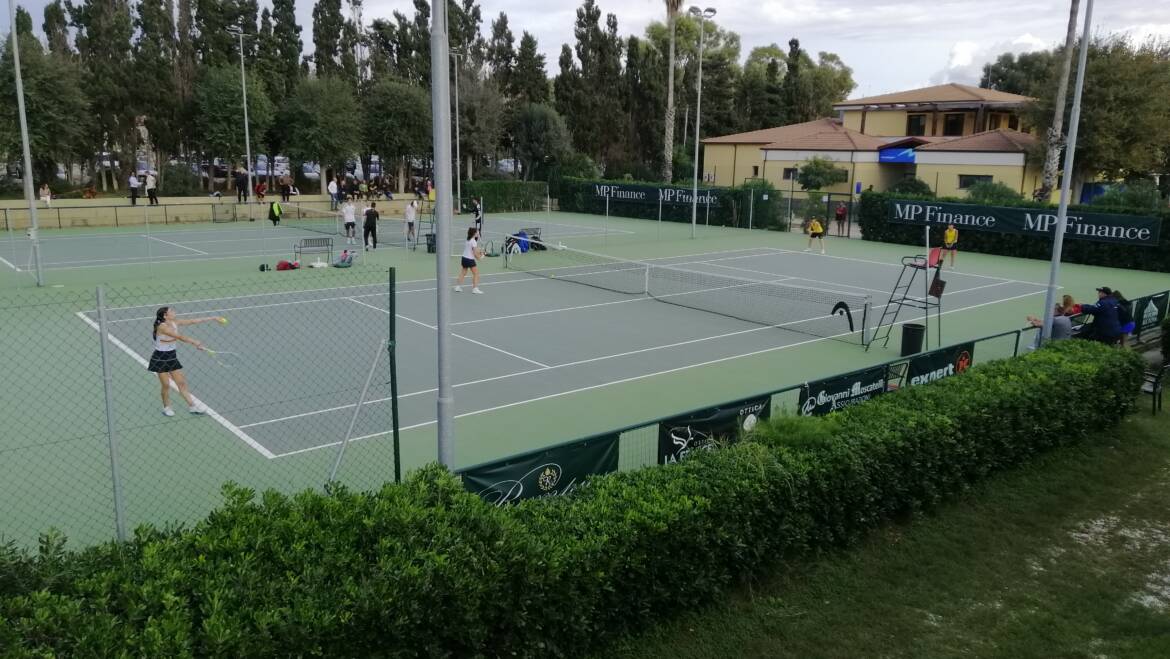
{"type": "Point", "coordinates": [431, 249]}
{"type": "Point", "coordinates": [912, 335]}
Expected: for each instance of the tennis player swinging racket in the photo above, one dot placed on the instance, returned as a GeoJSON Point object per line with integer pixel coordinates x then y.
{"type": "Point", "coordinates": [165, 359]}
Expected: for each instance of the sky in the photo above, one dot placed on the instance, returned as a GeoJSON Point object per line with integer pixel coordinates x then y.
{"type": "Point", "coordinates": [891, 45]}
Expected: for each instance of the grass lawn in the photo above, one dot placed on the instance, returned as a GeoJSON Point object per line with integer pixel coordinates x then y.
{"type": "Point", "coordinates": [1068, 557]}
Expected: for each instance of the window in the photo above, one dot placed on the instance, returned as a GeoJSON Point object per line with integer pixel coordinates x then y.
{"type": "Point", "coordinates": [789, 173]}
{"type": "Point", "coordinates": [916, 124]}
{"type": "Point", "coordinates": [1014, 122]}
{"type": "Point", "coordinates": [755, 171]}
{"type": "Point", "coordinates": [953, 124]}
{"type": "Point", "coordinates": [967, 180]}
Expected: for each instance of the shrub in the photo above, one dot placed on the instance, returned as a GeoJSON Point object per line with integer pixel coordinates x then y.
{"type": "Point", "coordinates": [732, 207]}
{"type": "Point", "coordinates": [912, 186]}
{"type": "Point", "coordinates": [993, 193]}
{"type": "Point", "coordinates": [179, 181]}
{"type": "Point", "coordinates": [1135, 195]}
{"type": "Point", "coordinates": [425, 568]}
{"type": "Point", "coordinates": [503, 196]}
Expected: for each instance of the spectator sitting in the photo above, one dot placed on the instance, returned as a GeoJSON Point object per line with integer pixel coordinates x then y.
{"type": "Point", "coordinates": [1069, 306]}
{"type": "Point", "coordinates": [1124, 316]}
{"type": "Point", "coordinates": [1061, 325]}
{"type": "Point", "coordinates": [1106, 325]}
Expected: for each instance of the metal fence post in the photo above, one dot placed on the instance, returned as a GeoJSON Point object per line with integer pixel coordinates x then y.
{"type": "Point", "coordinates": [392, 346]}
{"type": "Point", "coordinates": [111, 434]}
{"type": "Point", "coordinates": [751, 207]}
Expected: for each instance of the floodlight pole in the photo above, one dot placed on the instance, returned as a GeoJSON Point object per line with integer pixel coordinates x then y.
{"type": "Point", "coordinates": [702, 16]}
{"type": "Point", "coordinates": [458, 158]}
{"type": "Point", "coordinates": [247, 136]}
{"type": "Point", "coordinates": [28, 171]}
{"type": "Point", "coordinates": [1066, 178]}
{"type": "Point", "coordinates": [441, 109]}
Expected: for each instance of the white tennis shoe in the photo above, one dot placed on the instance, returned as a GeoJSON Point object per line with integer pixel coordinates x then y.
{"type": "Point", "coordinates": [168, 412]}
{"type": "Point", "coordinates": [458, 289]}
{"type": "Point", "coordinates": [477, 291]}
{"type": "Point", "coordinates": [198, 408]}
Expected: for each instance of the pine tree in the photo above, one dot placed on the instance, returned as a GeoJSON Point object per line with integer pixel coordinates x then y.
{"type": "Point", "coordinates": [593, 113]}
{"type": "Point", "coordinates": [529, 81]}
{"type": "Point", "coordinates": [327, 27]}
{"type": "Point", "coordinates": [287, 37]}
{"type": "Point", "coordinates": [154, 62]}
{"type": "Point", "coordinates": [104, 29]}
{"type": "Point", "coordinates": [56, 27]}
{"type": "Point", "coordinates": [644, 97]}
{"type": "Point", "coordinates": [501, 53]}
{"type": "Point", "coordinates": [464, 20]}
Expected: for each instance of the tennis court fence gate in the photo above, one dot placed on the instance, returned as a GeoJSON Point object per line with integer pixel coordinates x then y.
{"type": "Point", "coordinates": [309, 399]}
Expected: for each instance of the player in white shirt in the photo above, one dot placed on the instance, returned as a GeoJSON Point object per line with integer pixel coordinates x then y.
{"type": "Point", "coordinates": [471, 253]}
{"type": "Point", "coordinates": [347, 216]}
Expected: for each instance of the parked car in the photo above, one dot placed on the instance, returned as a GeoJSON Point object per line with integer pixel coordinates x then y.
{"type": "Point", "coordinates": [311, 171]}
{"type": "Point", "coordinates": [280, 166]}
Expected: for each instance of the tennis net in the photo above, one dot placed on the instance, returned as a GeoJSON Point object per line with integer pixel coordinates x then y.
{"type": "Point", "coordinates": [814, 311]}
{"type": "Point", "coordinates": [297, 216]}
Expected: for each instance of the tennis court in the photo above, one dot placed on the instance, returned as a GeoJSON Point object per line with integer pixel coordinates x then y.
{"type": "Point", "coordinates": [531, 337]}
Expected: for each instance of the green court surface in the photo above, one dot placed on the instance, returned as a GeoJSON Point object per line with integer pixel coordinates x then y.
{"type": "Point", "coordinates": [537, 360]}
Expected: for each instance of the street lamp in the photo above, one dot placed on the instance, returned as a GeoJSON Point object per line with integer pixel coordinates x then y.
{"type": "Point", "coordinates": [244, 89]}
{"type": "Point", "coordinates": [702, 15]}
{"type": "Point", "coordinates": [458, 162]}
{"type": "Point", "coordinates": [28, 170]}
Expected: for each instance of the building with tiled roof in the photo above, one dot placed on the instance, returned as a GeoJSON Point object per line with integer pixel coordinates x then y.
{"type": "Point", "coordinates": [950, 136]}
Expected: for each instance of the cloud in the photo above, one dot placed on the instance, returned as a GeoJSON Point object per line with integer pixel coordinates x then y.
{"type": "Point", "coordinates": [965, 65]}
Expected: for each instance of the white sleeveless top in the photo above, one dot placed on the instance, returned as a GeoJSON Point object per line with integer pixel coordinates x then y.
{"type": "Point", "coordinates": [469, 249]}
{"type": "Point", "coordinates": [164, 343]}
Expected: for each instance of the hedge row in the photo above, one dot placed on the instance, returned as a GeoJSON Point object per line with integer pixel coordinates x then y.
{"type": "Point", "coordinates": [874, 226]}
{"type": "Point", "coordinates": [426, 569]}
{"type": "Point", "coordinates": [507, 196]}
{"type": "Point", "coordinates": [733, 208]}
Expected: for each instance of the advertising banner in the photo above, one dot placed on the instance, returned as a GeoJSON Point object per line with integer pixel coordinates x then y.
{"type": "Point", "coordinates": [547, 473]}
{"type": "Point", "coordinates": [824, 396]}
{"type": "Point", "coordinates": [704, 430]}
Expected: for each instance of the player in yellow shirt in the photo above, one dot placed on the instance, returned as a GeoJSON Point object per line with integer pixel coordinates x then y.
{"type": "Point", "coordinates": [815, 232]}
{"type": "Point", "coordinates": [951, 242]}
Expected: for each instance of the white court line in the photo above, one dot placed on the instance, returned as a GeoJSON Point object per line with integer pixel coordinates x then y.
{"type": "Point", "coordinates": [458, 336]}
{"type": "Point", "coordinates": [167, 242]}
{"type": "Point", "coordinates": [8, 263]}
{"type": "Point", "coordinates": [231, 427]}
{"type": "Point", "coordinates": [636, 377]}
{"type": "Point", "coordinates": [896, 265]}
{"type": "Point", "coordinates": [641, 351]}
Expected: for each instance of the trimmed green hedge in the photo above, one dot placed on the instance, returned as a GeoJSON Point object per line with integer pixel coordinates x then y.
{"type": "Point", "coordinates": [507, 196]}
{"type": "Point", "coordinates": [733, 208]}
{"type": "Point", "coordinates": [873, 213]}
{"type": "Point", "coordinates": [427, 569]}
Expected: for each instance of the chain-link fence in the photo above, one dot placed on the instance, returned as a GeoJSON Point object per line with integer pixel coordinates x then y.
{"type": "Point", "coordinates": [96, 441]}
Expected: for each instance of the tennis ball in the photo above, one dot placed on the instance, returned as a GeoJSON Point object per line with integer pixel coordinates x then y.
{"type": "Point", "coordinates": [223, 321]}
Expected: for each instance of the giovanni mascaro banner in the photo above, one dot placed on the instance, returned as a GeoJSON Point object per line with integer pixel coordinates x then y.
{"type": "Point", "coordinates": [1099, 227]}
{"type": "Point", "coordinates": [824, 396]}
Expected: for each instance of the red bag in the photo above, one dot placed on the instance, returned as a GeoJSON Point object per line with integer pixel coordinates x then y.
{"type": "Point", "coordinates": [287, 265]}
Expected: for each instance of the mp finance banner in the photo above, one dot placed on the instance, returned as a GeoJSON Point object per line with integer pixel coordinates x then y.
{"type": "Point", "coordinates": [1149, 312]}
{"type": "Point", "coordinates": [548, 473]}
{"type": "Point", "coordinates": [824, 396]}
{"type": "Point", "coordinates": [702, 431]}
{"type": "Point", "coordinates": [1099, 227]}
{"type": "Point", "coordinates": [651, 194]}
{"type": "Point", "coordinates": [940, 364]}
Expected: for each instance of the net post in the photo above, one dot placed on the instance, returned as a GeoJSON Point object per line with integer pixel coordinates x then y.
{"type": "Point", "coordinates": [356, 411]}
{"type": "Point", "coordinates": [646, 279]}
{"type": "Point", "coordinates": [111, 433]}
{"type": "Point", "coordinates": [751, 207]}
{"type": "Point", "coordinates": [391, 348]}
{"type": "Point", "coordinates": [605, 229]}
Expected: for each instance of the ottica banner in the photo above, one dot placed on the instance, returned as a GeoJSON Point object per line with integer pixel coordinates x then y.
{"type": "Point", "coordinates": [824, 396]}
{"type": "Point", "coordinates": [651, 194]}
{"type": "Point", "coordinates": [1099, 227]}
{"type": "Point", "coordinates": [940, 364]}
{"type": "Point", "coordinates": [547, 473]}
{"type": "Point", "coordinates": [1149, 312]}
{"type": "Point", "coordinates": [702, 431]}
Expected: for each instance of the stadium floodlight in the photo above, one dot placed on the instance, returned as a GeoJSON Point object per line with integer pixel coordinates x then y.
{"type": "Point", "coordinates": [702, 15]}
{"type": "Point", "coordinates": [244, 90]}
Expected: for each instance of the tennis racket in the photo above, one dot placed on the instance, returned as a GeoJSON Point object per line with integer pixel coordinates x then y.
{"type": "Point", "coordinates": [224, 358]}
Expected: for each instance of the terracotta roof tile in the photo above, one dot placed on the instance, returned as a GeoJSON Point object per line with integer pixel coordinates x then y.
{"type": "Point", "coordinates": [948, 93]}
{"type": "Point", "coordinates": [821, 134]}
{"type": "Point", "coordinates": [1001, 140]}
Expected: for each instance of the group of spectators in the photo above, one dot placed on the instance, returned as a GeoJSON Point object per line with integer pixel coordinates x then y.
{"type": "Point", "coordinates": [342, 189]}
{"type": "Point", "coordinates": [1111, 318]}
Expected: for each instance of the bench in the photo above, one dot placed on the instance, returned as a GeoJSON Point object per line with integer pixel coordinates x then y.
{"type": "Point", "coordinates": [313, 246]}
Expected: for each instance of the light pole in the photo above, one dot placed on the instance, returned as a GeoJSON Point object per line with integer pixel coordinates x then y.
{"type": "Point", "coordinates": [702, 15]}
{"type": "Point", "coordinates": [458, 162]}
{"type": "Point", "coordinates": [244, 89]}
{"type": "Point", "coordinates": [28, 171]}
{"type": "Point", "coordinates": [441, 143]}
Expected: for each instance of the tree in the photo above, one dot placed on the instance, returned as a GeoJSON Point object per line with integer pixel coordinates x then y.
{"type": "Point", "coordinates": [401, 127]}
{"type": "Point", "coordinates": [539, 135]}
{"type": "Point", "coordinates": [829, 82]}
{"type": "Point", "coordinates": [56, 109]}
{"type": "Point", "coordinates": [213, 43]}
{"type": "Point", "coordinates": [154, 64]}
{"type": "Point", "coordinates": [993, 193]}
{"type": "Point", "coordinates": [1140, 194]}
{"type": "Point", "coordinates": [501, 53]}
{"type": "Point", "coordinates": [320, 114]}
{"type": "Point", "coordinates": [1054, 143]}
{"type": "Point", "coordinates": [327, 27]}
{"type": "Point", "coordinates": [286, 34]}
{"type": "Point", "coordinates": [819, 173]}
{"type": "Point", "coordinates": [104, 30]}
{"type": "Point", "coordinates": [56, 27]}
{"type": "Point", "coordinates": [1023, 74]}
{"type": "Point", "coordinates": [644, 92]}
{"type": "Point", "coordinates": [220, 110]}
{"type": "Point", "coordinates": [595, 117]}
{"type": "Point", "coordinates": [1125, 121]}
{"type": "Point", "coordinates": [481, 118]}
{"type": "Point", "coordinates": [24, 23]}
{"type": "Point", "coordinates": [672, 7]}
{"type": "Point", "coordinates": [529, 81]}
{"type": "Point", "coordinates": [911, 186]}
{"type": "Point", "coordinates": [464, 19]}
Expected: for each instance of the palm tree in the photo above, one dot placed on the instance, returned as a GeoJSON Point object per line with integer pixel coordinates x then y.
{"type": "Point", "coordinates": [1055, 141]}
{"type": "Point", "coordinates": [672, 10]}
